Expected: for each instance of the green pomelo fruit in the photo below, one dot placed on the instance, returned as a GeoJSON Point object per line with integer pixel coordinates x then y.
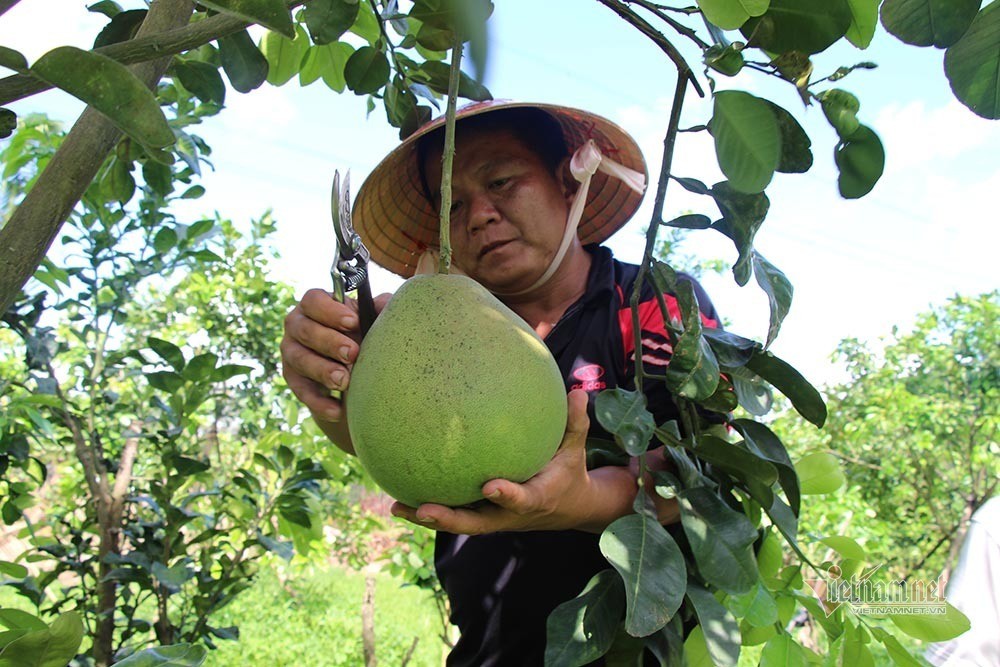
{"type": "Point", "coordinates": [450, 390]}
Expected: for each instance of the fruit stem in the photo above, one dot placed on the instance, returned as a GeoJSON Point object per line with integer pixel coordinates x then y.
{"type": "Point", "coordinates": [448, 157]}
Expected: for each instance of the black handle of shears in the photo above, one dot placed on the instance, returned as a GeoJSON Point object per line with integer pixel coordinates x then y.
{"type": "Point", "coordinates": [366, 307]}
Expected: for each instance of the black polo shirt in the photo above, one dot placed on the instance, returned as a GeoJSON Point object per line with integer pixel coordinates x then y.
{"type": "Point", "coordinates": [502, 586]}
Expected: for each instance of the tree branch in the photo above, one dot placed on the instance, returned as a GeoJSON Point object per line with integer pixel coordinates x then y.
{"type": "Point", "coordinates": [139, 50]}
{"type": "Point", "coordinates": [661, 14]}
{"type": "Point", "coordinates": [26, 237]}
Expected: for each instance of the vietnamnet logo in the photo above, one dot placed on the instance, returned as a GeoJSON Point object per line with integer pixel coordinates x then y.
{"type": "Point", "coordinates": [589, 377]}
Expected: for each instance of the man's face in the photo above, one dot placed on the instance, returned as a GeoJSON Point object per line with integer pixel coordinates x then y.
{"type": "Point", "coordinates": [508, 209]}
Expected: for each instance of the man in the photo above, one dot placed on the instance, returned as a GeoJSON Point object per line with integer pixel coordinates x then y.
{"type": "Point", "coordinates": [535, 188]}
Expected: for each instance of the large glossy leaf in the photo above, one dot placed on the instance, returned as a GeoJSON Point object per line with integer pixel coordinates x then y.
{"type": "Point", "coordinates": [796, 146]}
{"type": "Point", "coordinates": [668, 644]}
{"type": "Point", "coordinates": [284, 56]}
{"type": "Point", "coordinates": [742, 215]}
{"type": "Point", "coordinates": [933, 627]}
{"type": "Point", "coordinates": [808, 26]}
{"type": "Point", "coordinates": [736, 460]}
{"type": "Point", "coordinates": [782, 651]}
{"type": "Point", "coordinates": [12, 59]}
{"type": "Point", "coordinates": [731, 350]}
{"type": "Point", "coordinates": [731, 14]}
{"type": "Point", "coordinates": [273, 14]}
{"type": "Point", "coordinates": [624, 415]}
{"type": "Point", "coordinates": [899, 655]}
{"type": "Point", "coordinates": [695, 650]}
{"type": "Point", "coordinates": [864, 20]}
{"type": "Point", "coordinates": [202, 79]}
{"type": "Point", "coordinates": [760, 439]}
{"type": "Point", "coordinates": [972, 64]}
{"type": "Point", "coordinates": [652, 567]}
{"type": "Point", "coordinates": [121, 28]}
{"type": "Point", "coordinates": [747, 140]}
{"type": "Point", "coordinates": [778, 290]}
{"type": "Point", "coordinates": [329, 19]}
{"type": "Point", "coordinates": [720, 540]}
{"type": "Point", "coordinates": [109, 87]}
{"type": "Point", "coordinates": [168, 352]}
{"type": "Point", "coordinates": [178, 655]}
{"type": "Point", "coordinates": [937, 23]}
{"type": "Point", "coordinates": [804, 397]}
{"type": "Point", "coordinates": [327, 62]}
{"type": "Point", "coordinates": [366, 70]}
{"type": "Point", "coordinates": [54, 646]}
{"type": "Point", "coordinates": [819, 473]}
{"type": "Point", "coordinates": [721, 632]}
{"type": "Point", "coordinates": [693, 371]}
{"type": "Point", "coordinates": [437, 79]}
{"type": "Point", "coordinates": [243, 63]}
{"type": "Point", "coordinates": [581, 630]}
{"type": "Point", "coordinates": [861, 160]}
{"type": "Point", "coordinates": [757, 606]}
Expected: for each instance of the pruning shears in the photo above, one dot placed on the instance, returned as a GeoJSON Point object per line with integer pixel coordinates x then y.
{"type": "Point", "coordinates": [349, 270]}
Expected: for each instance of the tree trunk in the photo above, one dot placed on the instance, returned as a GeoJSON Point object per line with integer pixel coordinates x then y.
{"type": "Point", "coordinates": [368, 619]}
{"type": "Point", "coordinates": [26, 237]}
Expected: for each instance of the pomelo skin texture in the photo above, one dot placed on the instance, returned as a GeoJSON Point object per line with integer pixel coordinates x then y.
{"type": "Point", "coordinates": [450, 390]}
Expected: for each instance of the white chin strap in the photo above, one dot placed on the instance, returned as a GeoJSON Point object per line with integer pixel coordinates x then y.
{"type": "Point", "coordinates": [586, 161]}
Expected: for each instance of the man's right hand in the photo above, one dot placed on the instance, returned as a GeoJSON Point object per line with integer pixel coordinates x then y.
{"type": "Point", "coordinates": [318, 350]}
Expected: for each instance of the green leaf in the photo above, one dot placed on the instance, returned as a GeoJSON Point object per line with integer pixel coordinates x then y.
{"type": "Point", "coordinates": [721, 632]}
{"type": "Point", "coordinates": [329, 19]}
{"type": "Point", "coordinates": [933, 627]}
{"type": "Point", "coordinates": [12, 59]}
{"type": "Point", "coordinates": [178, 655]}
{"type": "Point", "coordinates": [819, 473]}
{"type": "Point", "coordinates": [227, 371]}
{"type": "Point", "coordinates": [165, 381]}
{"type": "Point", "coordinates": [367, 25]}
{"type": "Point", "coordinates": [720, 539]}
{"type": "Point", "coordinates": [284, 56]}
{"type": "Point", "coordinates": [864, 20]}
{"type": "Point", "coordinates": [731, 14]}
{"type": "Point", "coordinates": [845, 546]}
{"type": "Point", "coordinates": [200, 368]}
{"type": "Point", "coordinates": [109, 8]}
{"type": "Point", "coordinates": [761, 440]}
{"type": "Point", "coordinates": [8, 123]}
{"type": "Point", "coordinates": [16, 619]}
{"type": "Point", "coordinates": [778, 290]}
{"type": "Point", "coordinates": [581, 630]}
{"type": "Point", "coordinates": [434, 38]}
{"type": "Point", "coordinates": [938, 23]}
{"type": "Point", "coordinates": [122, 27]}
{"type": "Point", "coordinates": [696, 650]}
{"type": "Point", "coordinates": [756, 606]}
{"type": "Point", "coordinates": [118, 184]}
{"type": "Point", "coordinates": [652, 567]}
{"type": "Point", "coordinates": [690, 221]}
{"type": "Point", "coordinates": [244, 64]}
{"type": "Point", "coordinates": [796, 146]}
{"type": "Point", "coordinates": [327, 61]}
{"type": "Point", "coordinates": [272, 14]}
{"type": "Point", "coordinates": [731, 350]}
{"type": "Point", "coordinates": [366, 71]}
{"type": "Point", "coordinates": [12, 570]}
{"type": "Point", "coordinates": [807, 26]}
{"type": "Point", "coordinates": [109, 87]}
{"type": "Point", "coordinates": [159, 177]}
{"type": "Point", "coordinates": [804, 397]}
{"type": "Point", "coordinates": [692, 185]}
{"type": "Point", "coordinates": [747, 140]}
{"type": "Point", "coordinates": [736, 460]}
{"type": "Point", "coordinates": [624, 415]}
{"type": "Point", "coordinates": [284, 550]}
{"type": "Point", "coordinates": [187, 466]}
{"type": "Point", "coordinates": [742, 215]}
{"type": "Point", "coordinates": [841, 108]}
{"type": "Point", "coordinates": [167, 351]}
{"type": "Point", "coordinates": [899, 655]}
{"type": "Point", "coordinates": [782, 651]}
{"type": "Point", "coordinates": [164, 241]}
{"type": "Point", "coordinates": [202, 79]}
{"type": "Point", "coordinates": [860, 159]}
{"type": "Point", "coordinates": [972, 64]}
{"type": "Point", "coordinates": [172, 578]}
{"type": "Point", "coordinates": [53, 647]}
{"type": "Point", "coordinates": [437, 73]}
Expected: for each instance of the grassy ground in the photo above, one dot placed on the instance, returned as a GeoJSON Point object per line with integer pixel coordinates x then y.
{"type": "Point", "coordinates": [315, 620]}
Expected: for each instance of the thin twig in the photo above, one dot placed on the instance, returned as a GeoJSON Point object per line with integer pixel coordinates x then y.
{"type": "Point", "coordinates": [661, 14]}
{"type": "Point", "coordinates": [7, 4]}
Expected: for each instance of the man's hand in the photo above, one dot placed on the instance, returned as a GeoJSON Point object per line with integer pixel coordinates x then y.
{"type": "Point", "coordinates": [562, 496]}
{"type": "Point", "coordinates": [318, 350]}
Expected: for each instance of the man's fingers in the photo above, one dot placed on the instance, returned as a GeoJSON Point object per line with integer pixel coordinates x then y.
{"type": "Point", "coordinates": [577, 421]}
{"type": "Point", "coordinates": [315, 397]}
{"type": "Point", "coordinates": [381, 301]}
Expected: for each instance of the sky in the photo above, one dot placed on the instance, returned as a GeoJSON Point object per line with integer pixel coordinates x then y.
{"type": "Point", "coordinates": [927, 232]}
